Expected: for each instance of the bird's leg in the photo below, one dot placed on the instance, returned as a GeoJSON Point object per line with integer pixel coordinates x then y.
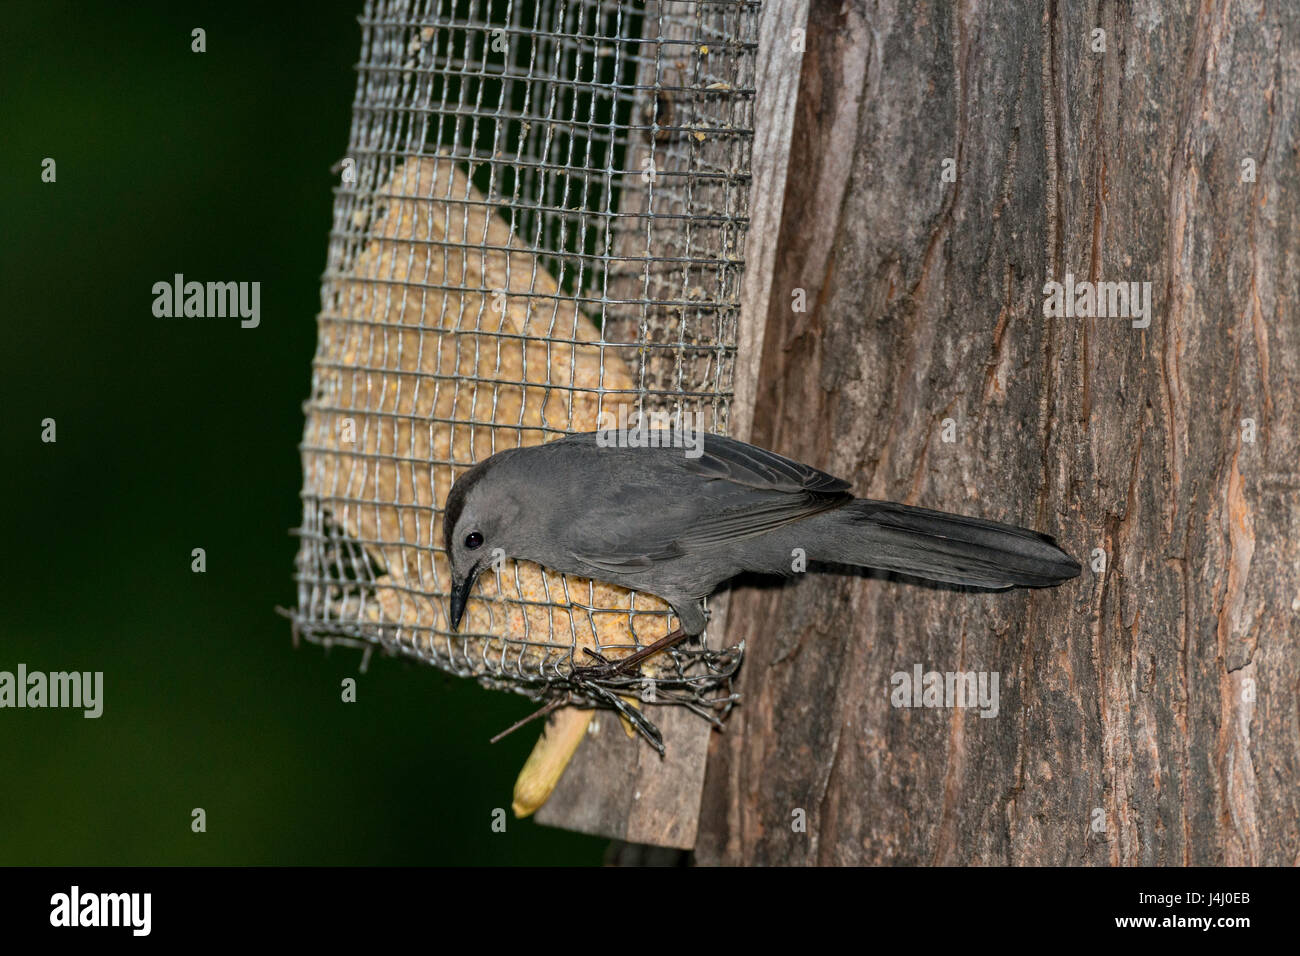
{"type": "Point", "coordinates": [625, 664]}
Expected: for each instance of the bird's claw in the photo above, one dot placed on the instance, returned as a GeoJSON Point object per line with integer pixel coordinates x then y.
{"type": "Point", "coordinates": [629, 666]}
{"type": "Point", "coordinates": [603, 671]}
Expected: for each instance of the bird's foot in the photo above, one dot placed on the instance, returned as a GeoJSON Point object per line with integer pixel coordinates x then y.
{"type": "Point", "coordinates": [625, 666]}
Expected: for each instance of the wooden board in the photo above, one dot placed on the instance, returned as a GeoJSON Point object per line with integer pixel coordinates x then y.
{"type": "Point", "coordinates": [616, 786]}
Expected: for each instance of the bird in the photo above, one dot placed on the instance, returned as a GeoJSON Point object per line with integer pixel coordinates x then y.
{"type": "Point", "coordinates": [675, 518]}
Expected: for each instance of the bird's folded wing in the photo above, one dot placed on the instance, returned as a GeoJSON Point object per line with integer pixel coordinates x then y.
{"type": "Point", "coordinates": [731, 492]}
{"type": "Point", "coordinates": [764, 512]}
{"type": "Point", "coordinates": [616, 563]}
{"type": "Point", "coordinates": [753, 467]}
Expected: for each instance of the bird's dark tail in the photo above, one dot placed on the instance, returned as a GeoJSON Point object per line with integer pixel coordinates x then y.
{"type": "Point", "coordinates": [945, 547]}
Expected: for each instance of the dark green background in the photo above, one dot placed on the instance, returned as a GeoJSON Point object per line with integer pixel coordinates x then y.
{"type": "Point", "coordinates": [176, 434]}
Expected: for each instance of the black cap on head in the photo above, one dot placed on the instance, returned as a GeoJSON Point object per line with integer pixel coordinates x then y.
{"type": "Point", "coordinates": [456, 501]}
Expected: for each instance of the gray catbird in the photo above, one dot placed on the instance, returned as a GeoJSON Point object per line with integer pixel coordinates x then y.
{"type": "Point", "coordinates": [657, 520]}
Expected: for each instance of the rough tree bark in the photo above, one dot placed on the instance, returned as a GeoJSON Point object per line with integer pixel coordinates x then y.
{"type": "Point", "coordinates": [1148, 712]}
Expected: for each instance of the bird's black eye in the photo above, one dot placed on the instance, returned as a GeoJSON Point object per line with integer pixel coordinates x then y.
{"type": "Point", "coordinates": [473, 540]}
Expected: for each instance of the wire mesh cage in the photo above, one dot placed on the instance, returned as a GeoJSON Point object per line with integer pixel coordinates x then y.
{"type": "Point", "coordinates": [540, 227]}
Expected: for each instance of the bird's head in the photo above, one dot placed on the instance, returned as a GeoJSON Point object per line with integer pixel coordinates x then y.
{"type": "Point", "coordinates": [475, 528]}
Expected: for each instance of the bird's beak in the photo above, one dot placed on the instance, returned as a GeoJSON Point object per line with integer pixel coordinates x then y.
{"type": "Point", "coordinates": [460, 596]}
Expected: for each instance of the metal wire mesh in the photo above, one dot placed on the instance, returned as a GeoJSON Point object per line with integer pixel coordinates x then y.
{"type": "Point", "coordinates": [541, 220]}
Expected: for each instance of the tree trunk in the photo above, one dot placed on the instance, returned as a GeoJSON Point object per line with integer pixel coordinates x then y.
{"type": "Point", "coordinates": [1148, 709]}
